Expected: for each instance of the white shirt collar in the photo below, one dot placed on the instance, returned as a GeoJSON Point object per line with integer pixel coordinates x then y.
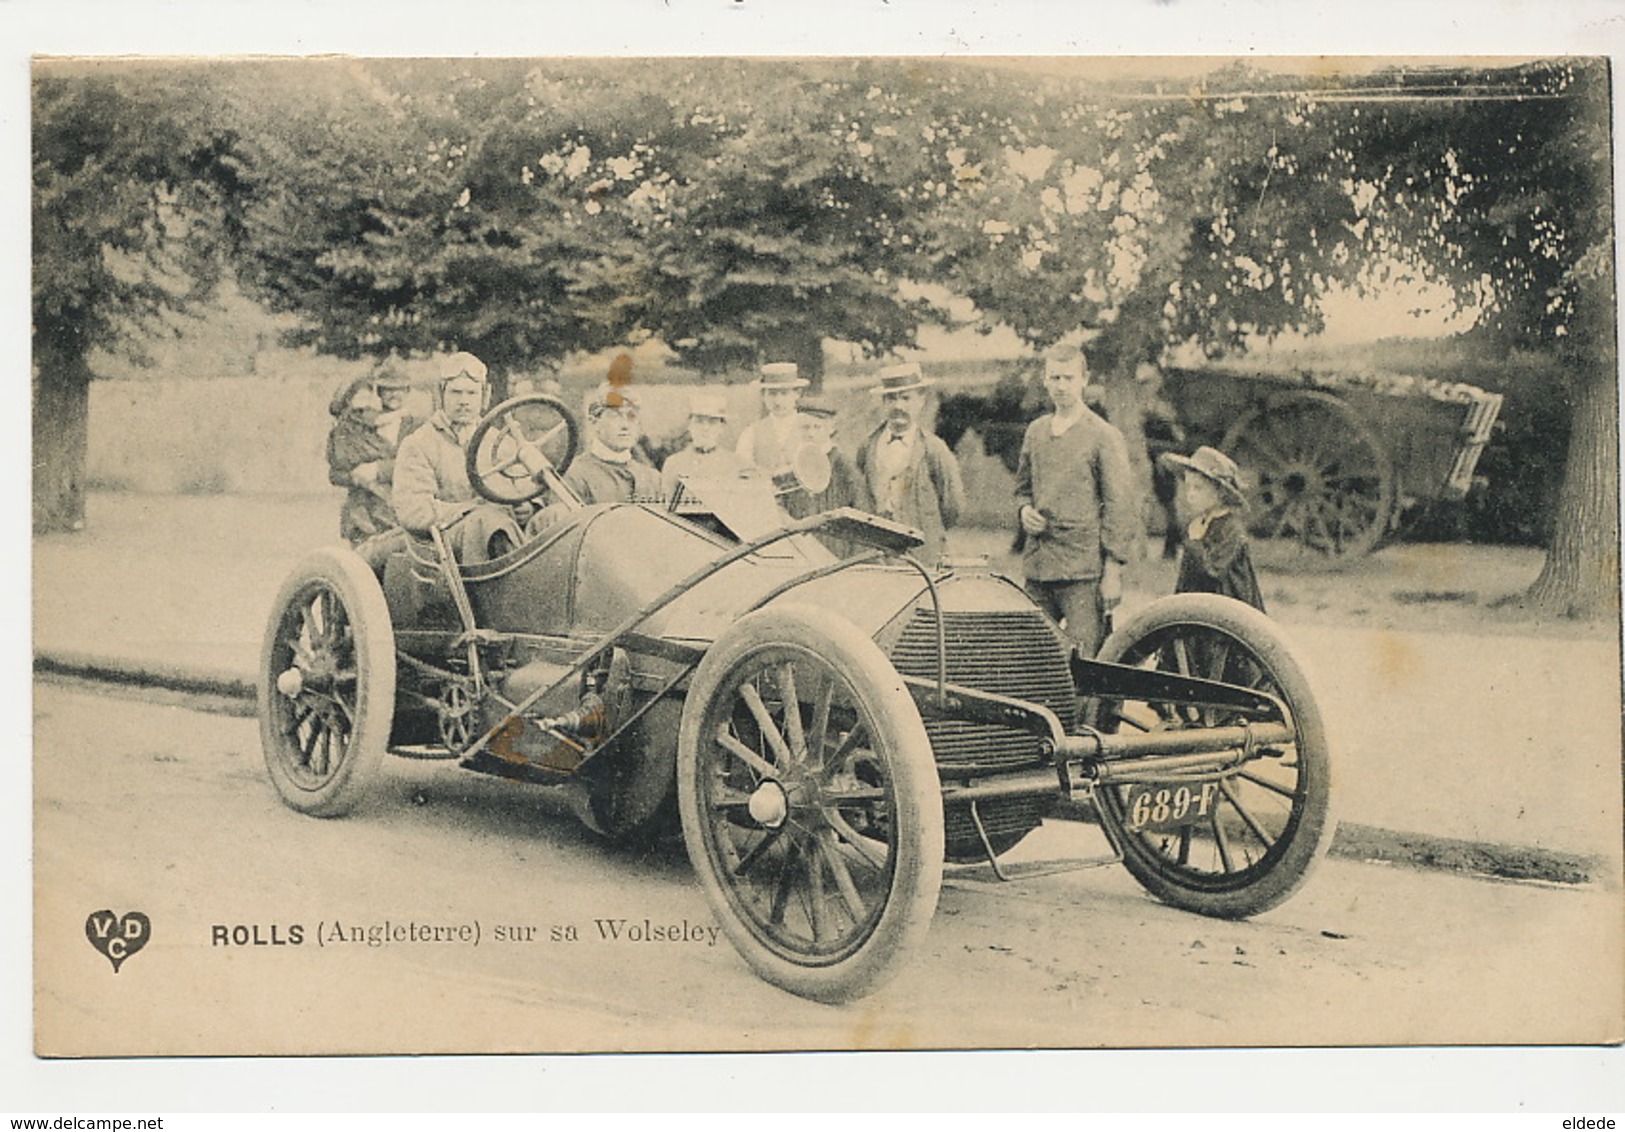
{"type": "Point", "coordinates": [607, 454]}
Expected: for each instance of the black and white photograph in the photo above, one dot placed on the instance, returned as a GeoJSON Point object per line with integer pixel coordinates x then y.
{"type": "Point", "coordinates": [572, 553]}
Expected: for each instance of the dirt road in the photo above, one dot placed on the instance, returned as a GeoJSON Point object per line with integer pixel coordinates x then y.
{"type": "Point", "coordinates": [459, 913]}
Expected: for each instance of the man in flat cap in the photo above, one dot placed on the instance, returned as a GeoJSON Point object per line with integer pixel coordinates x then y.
{"type": "Point", "coordinates": [840, 486]}
{"type": "Point", "coordinates": [911, 474]}
{"type": "Point", "coordinates": [769, 443]}
{"type": "Point", "coordinates": [431, 470]}
{"type": "Point", "coordinates": [705, 458]}
{"type": "Point", "coordinates": [395, 424]}
{"type": "Point", "coordinates": [1076, 505]}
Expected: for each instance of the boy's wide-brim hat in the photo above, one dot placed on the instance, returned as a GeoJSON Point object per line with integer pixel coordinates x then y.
{"type": "Point", "coordinates": [1211, 464]}
{"type": "Point", "coordinates": [781, 375]}
{"type": "Point", "coordinates": [901, 379]}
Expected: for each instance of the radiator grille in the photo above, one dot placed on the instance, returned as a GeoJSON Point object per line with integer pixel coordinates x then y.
{"type": "Point", "coordinates": [1014, 653]}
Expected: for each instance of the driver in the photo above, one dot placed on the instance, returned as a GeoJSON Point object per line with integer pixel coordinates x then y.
{"type": "Point", "coordinates": [431, 471]}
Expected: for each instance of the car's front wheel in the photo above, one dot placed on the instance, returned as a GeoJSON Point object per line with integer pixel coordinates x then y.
{"type": "Point", "coordinates": [327, 683]}
{"type": "Point", "coordinates": [810, 802]}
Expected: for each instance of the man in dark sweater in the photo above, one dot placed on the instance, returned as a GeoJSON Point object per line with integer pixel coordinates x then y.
{"type": "Point", "coordinates": [1077, 507]}
{"type": "Point", "coordinates": [609, 471]}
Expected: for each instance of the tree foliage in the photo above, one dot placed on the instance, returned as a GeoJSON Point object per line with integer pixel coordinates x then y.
{"type": "Point", "coordinates": [131, 184]}
{"type": "Point", "coordinates": [528, 211]}
{"type": "Point", "coordinates": [134, 180]}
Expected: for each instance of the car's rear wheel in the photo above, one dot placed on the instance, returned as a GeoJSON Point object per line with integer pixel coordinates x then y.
{"type": "Point", "coordinates": [327, 683]}
{"type": "Point", "coordinates": [1236, 844]}
{"type": "Point", "coordinates": [810, 802]}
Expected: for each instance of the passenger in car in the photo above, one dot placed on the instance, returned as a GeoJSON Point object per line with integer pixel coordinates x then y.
{"type": "Point", "coordinates": [431, 471]}
{"type": "Point", "coordinates": [609, 471]}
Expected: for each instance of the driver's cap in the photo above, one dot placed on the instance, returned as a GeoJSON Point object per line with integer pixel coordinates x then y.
{"type": "Point", "coordinates": [462, 364]}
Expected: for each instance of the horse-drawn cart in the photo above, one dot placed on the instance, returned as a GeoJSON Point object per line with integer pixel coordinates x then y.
{"type": "Point", "coordinates": [1331, 460]}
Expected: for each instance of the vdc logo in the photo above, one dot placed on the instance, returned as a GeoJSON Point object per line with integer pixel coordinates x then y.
{"type": "Point", "coordinates": [117, 937]}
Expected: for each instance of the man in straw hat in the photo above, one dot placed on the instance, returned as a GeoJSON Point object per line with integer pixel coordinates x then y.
{"type": "Point", "coordinates": [911, 475]}
{"type": "Point", "coordinates": [705, 458]}
{"type": "Point", "coordinates": [769, 443]}
{"type": "Point", "coordinates": [431, 471]}
{"type": "Point", "coordinates": [1076, 506]}
{"type": "Point", "coordinates": [1214, 558]}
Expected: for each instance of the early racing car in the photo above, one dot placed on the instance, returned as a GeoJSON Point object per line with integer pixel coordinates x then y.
{"type": "Point", "coordinates": [830, 727]}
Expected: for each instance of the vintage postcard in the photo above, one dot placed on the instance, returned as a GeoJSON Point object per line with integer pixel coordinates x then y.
{"type": "Point", "coordinates": [601, 555]}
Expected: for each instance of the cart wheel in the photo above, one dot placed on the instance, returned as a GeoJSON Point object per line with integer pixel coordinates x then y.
{"type": "Point", "coordinates": [327, 683]}
{"type": "Point", "coordinates": [513, 443]}
{"type": "Point", "coordinates": [1252, 835]}
{"type": "Point", "coordinates": [1317, 472]}
{"type": "Point", "coordinates": [810, 802]}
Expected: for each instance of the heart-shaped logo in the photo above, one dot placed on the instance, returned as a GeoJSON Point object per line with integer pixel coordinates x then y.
{"type": "Point", "coordinates": [117, 937]}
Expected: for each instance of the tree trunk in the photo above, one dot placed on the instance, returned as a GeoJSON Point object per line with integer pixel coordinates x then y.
{"type": "Point", "coordinates": [1581, 575]}
{"type": "Point", "coordinates": [1123, 401]}
{"type": "Point", "coordinates": [61, 441]}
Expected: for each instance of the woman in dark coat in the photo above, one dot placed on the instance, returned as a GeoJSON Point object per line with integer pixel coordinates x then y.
{"type": "Point", "coordinates": [360, 459]}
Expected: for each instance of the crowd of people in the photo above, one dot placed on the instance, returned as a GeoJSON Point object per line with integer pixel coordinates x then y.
{"type": "Point", "coordinates": [1076, 509]}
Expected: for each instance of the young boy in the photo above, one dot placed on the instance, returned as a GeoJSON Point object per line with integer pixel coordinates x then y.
{"type": "Point", "coordinates": [1214, 558]}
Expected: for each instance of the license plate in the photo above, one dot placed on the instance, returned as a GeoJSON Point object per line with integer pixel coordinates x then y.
{"type": "Point", "coordinates": [1167, 806]}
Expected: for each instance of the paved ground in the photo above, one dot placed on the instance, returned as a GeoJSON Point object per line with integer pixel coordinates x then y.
{"type": "Point", "coordinates": [1485, 728]}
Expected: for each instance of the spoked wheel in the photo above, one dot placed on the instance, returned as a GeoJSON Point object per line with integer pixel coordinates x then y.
{"type": "Point", "coordinates": [327, 683]}
{"type": "Point", "coordinates": [810, 802]}
{"type": "Point", "coordinates": [515, 442]}
{"type": "Point", "coordinates": [1317, 474]}
{"type": "Point", "coordinates": [1228, 845]}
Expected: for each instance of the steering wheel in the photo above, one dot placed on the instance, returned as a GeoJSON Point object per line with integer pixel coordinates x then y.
{"type": "Point", "coordinates": [517, 443]}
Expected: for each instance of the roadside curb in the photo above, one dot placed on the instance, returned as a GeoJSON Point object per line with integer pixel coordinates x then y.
{"type": "Point", "coordinates": [1484, 859]}
{"type": "Point", "coordinates": [215, 684]}
{"type": "Point", "coordinates": [228, 692]}
{"type": "Point", "coordinates": [1478, 858]}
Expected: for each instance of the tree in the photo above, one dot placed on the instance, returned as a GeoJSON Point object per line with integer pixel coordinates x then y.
{"type": "Point", "coordinates": [1140, 219]}
{"type": "Point", "coordinates": [527, 211]}
{"type": "Point", "coordinates": [793, 213]}
{"type": "Point", "coordinates": [409, 208]}
{"type": "Point", "coordinates": [1221, 215]}
{"type": "Point", "coordinates": [133, 187]}
{"type": "Point", "coordinates": [1501, 189]}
